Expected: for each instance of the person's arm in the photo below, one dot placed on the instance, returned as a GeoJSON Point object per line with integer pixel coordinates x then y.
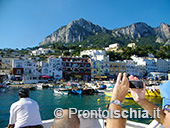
{"type": "Point", "coordinates": [12, 119]}
{"type": "Point", "coordinates": [166, 123]}
{"type": "Point", "coordinates": [139, 97]}
{"type": "Point", "coordinates": [119, 92]}
{"type": "Point", "coordinates": [11, 125]}
{"type": "Point", "coordinates": [152, 110]}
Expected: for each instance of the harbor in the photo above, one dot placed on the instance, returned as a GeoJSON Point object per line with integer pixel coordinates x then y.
{"type": "Point", "coordinates": [48, 101]}
{"type": "Point", "coordinates": [84, 56]}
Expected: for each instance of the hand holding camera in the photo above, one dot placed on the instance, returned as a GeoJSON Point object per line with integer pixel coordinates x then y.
{"type": "Point", "coordinates": [137, 88]}
{"type": "Point", "coordinates": [135, 84]}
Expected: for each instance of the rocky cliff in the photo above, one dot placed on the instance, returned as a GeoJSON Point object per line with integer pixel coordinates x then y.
{"type": "Point", "coordinates": [79, 30]}
{"type": "Point", "coordinates": [76, 30]}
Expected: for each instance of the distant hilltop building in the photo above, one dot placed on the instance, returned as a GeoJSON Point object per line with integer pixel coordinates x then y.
{"type": "Point", "coordinates": [41, 51]}
{"type": "Point", "coordinates": [132, 45]}
{"type": "Point", "coordinates": [112, 47]}
{"type": "Point", "coordinates": [92, 53]}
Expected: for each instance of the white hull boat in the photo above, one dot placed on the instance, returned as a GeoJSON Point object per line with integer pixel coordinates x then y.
{"type": "Point", "coordinates": [58, 91]}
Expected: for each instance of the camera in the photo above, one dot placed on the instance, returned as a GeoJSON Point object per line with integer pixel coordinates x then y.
{"type": "Point", "coordinates": [136, 84]}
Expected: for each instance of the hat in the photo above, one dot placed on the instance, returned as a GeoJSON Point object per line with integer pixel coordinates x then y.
{"type": "Point", "coordinates": [165, 93]}
{"type": "Point", "coordinates": [23, 92]}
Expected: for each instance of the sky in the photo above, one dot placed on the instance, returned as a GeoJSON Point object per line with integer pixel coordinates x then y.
{"type": "Point", "coordinates": [24, 23]}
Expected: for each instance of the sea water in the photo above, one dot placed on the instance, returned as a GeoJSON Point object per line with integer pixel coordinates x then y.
{"type": "Point", "coordinates": [48, 101]}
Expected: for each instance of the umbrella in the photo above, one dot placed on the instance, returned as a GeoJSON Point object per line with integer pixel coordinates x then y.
{"type": "Point", "coordinates": [45, 76]}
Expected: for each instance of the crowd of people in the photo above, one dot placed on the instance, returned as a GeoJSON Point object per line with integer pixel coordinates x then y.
{"type": "Point", "coordinates": [25, 112]}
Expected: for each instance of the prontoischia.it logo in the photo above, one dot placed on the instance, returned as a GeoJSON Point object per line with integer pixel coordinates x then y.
{"type": "Point", "coordinates": [139, 113]}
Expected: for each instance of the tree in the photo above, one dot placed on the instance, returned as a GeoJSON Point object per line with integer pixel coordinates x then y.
{"type": "Point", "coordinates": [66, 53]}
{"type": "Point", "coordinates": [86, 56]}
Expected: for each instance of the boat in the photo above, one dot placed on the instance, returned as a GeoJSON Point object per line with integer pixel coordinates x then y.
{"type": "Point", "coordinates": [75, 91]}
{"type": "Point", "coordinates": [45, 85]}
{"type": "Point", "coordinates": [39, 85]}
{"type": "Point", "coordinates": [88, 91]}
{"type": "Point", "coordinates": [101, 89]}
{"type": "Point", "coordinates": [61, 92]}
{"type": "Point", "coordinates": [108, 93]}
{"type": "Point", "coordinates": [109, 84]}
{"type": "Point", "coordinates": [100, 123]}
{"type": "Point", "coordinates": [50, 85]}
{"type": "Point", "coordinates": [32, 88]}
{"type": "Point", "coordinates": [150, 91]}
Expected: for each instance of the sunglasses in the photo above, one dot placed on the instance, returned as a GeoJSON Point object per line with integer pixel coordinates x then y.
{"type": "Point", "coordinates": [167, 108]}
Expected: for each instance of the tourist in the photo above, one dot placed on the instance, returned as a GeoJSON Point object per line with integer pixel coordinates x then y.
{"type": "Point", "coordinates": [25, 112]}
{"type": "Point", "coordinates": [166, 123]}
{"type": "Point", "coordinates": [165, 94]}
{"type": "Point", "coordinates": [121, 89]}
{"type": "Point", "coordinates": [65, 121]}
{"type": "Point", "coordinates": [139, 97]}
{"type": "Point", "coordinates": [119, 92]}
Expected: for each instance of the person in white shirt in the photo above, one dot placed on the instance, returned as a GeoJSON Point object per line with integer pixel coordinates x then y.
{"type": "Point", "coordinates": [25, 112]}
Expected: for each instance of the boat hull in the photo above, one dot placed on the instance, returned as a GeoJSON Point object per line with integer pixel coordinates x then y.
{"type": "Point", "coordinates": [60, 92]}
{"type": "Point", "coordinates": [148, 92]}
{"type": "Point", "coordinates": [109, 94]}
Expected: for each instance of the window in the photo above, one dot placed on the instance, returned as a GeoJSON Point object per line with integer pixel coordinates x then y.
{"type": "Point", "coordinates": [27, 70]}
{"type": "Point", "coordinates": [18, 71]}
{"type": "Point", "coordinates": [45, 70]}
{"type": "Point", "coordinates": [18, 65]}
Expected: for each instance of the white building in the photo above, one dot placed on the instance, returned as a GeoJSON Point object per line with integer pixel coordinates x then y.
{"type": "Point", "coordinates": [130, 67]}
{"type": "Point", "coordinates": [132, 45]}
{"type": "Point", "coordinates": [162, 65]}
{"type": "Point", "coordinates": [149, 63]}
{"type": "Point", "coordinates": [133, 69]}
{"type": "Point", "coordinates": [168, 61]}
{"type": "Point", "coordinates": [53, 68]}
{"type": "Point", "coordinates": [42, 51]}
{"type": "Point", "coordinates": [112, 47]}
{"type": "Point", "coordinates": [25, 70]}
{"type": "Point", "coordinates": [99, 62]}
{"type": "Point", "coordinates": [92, 53]}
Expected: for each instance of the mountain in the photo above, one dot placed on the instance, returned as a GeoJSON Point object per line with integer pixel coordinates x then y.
{"type": "Point", "coordinates": [76, 30]}
{"type": "Point", "coordinates": [82, 30]}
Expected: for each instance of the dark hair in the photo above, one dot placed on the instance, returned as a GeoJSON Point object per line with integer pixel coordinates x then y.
{"type": "Point", "coordinates": [23, 92]}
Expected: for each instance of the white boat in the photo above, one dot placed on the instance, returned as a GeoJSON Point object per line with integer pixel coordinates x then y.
{"type": "Point", "coordinates": [50, 85]}
{"type": "Point", "coordinates": [61, 92]}
{"type": "Point", "coordinates": [100, 123]}
{"type": "Point", "coordinates": [39, 85]}
{"type": "Point", "coordinates": [109, 84]}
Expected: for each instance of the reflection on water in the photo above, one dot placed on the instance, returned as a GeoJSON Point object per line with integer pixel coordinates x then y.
{"type": "Point", "coordinates": [48, 102]}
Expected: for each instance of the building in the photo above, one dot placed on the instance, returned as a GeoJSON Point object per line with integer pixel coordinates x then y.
{"type": "Point", "coordinates": [52, 68]}
{"type": "Point", "coordinates": [42, 51]}
{"type": "Point", "coordinates": [116, 67]}
{"type": "Point", "coordinates": [97, 69]}
{"type": "Point", "coordinates": [5, 70]}
{"type": "Point", "coordinates": [149, 63]}
{"type": "Point", "coordinates": [92, 53]}
{"type": "Point", "coordinates": [133, 69]}
{"type": "Point", "coordinates": [112, 47]}
{"type": "Point", "coordinates": [8, 60]}
{"type": "Point", "coordinates": [76, 68]}
{"type": "Point", "coordinates": [131, 45]}
{"type": "Point", "coordinates": [130, 67]}
{"type": "Point", "coordinates": [162, 65]}
{"type": "Point", "coordinates": [168, 61]}
{"type": "Point", "coordinates": [25, 70]}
